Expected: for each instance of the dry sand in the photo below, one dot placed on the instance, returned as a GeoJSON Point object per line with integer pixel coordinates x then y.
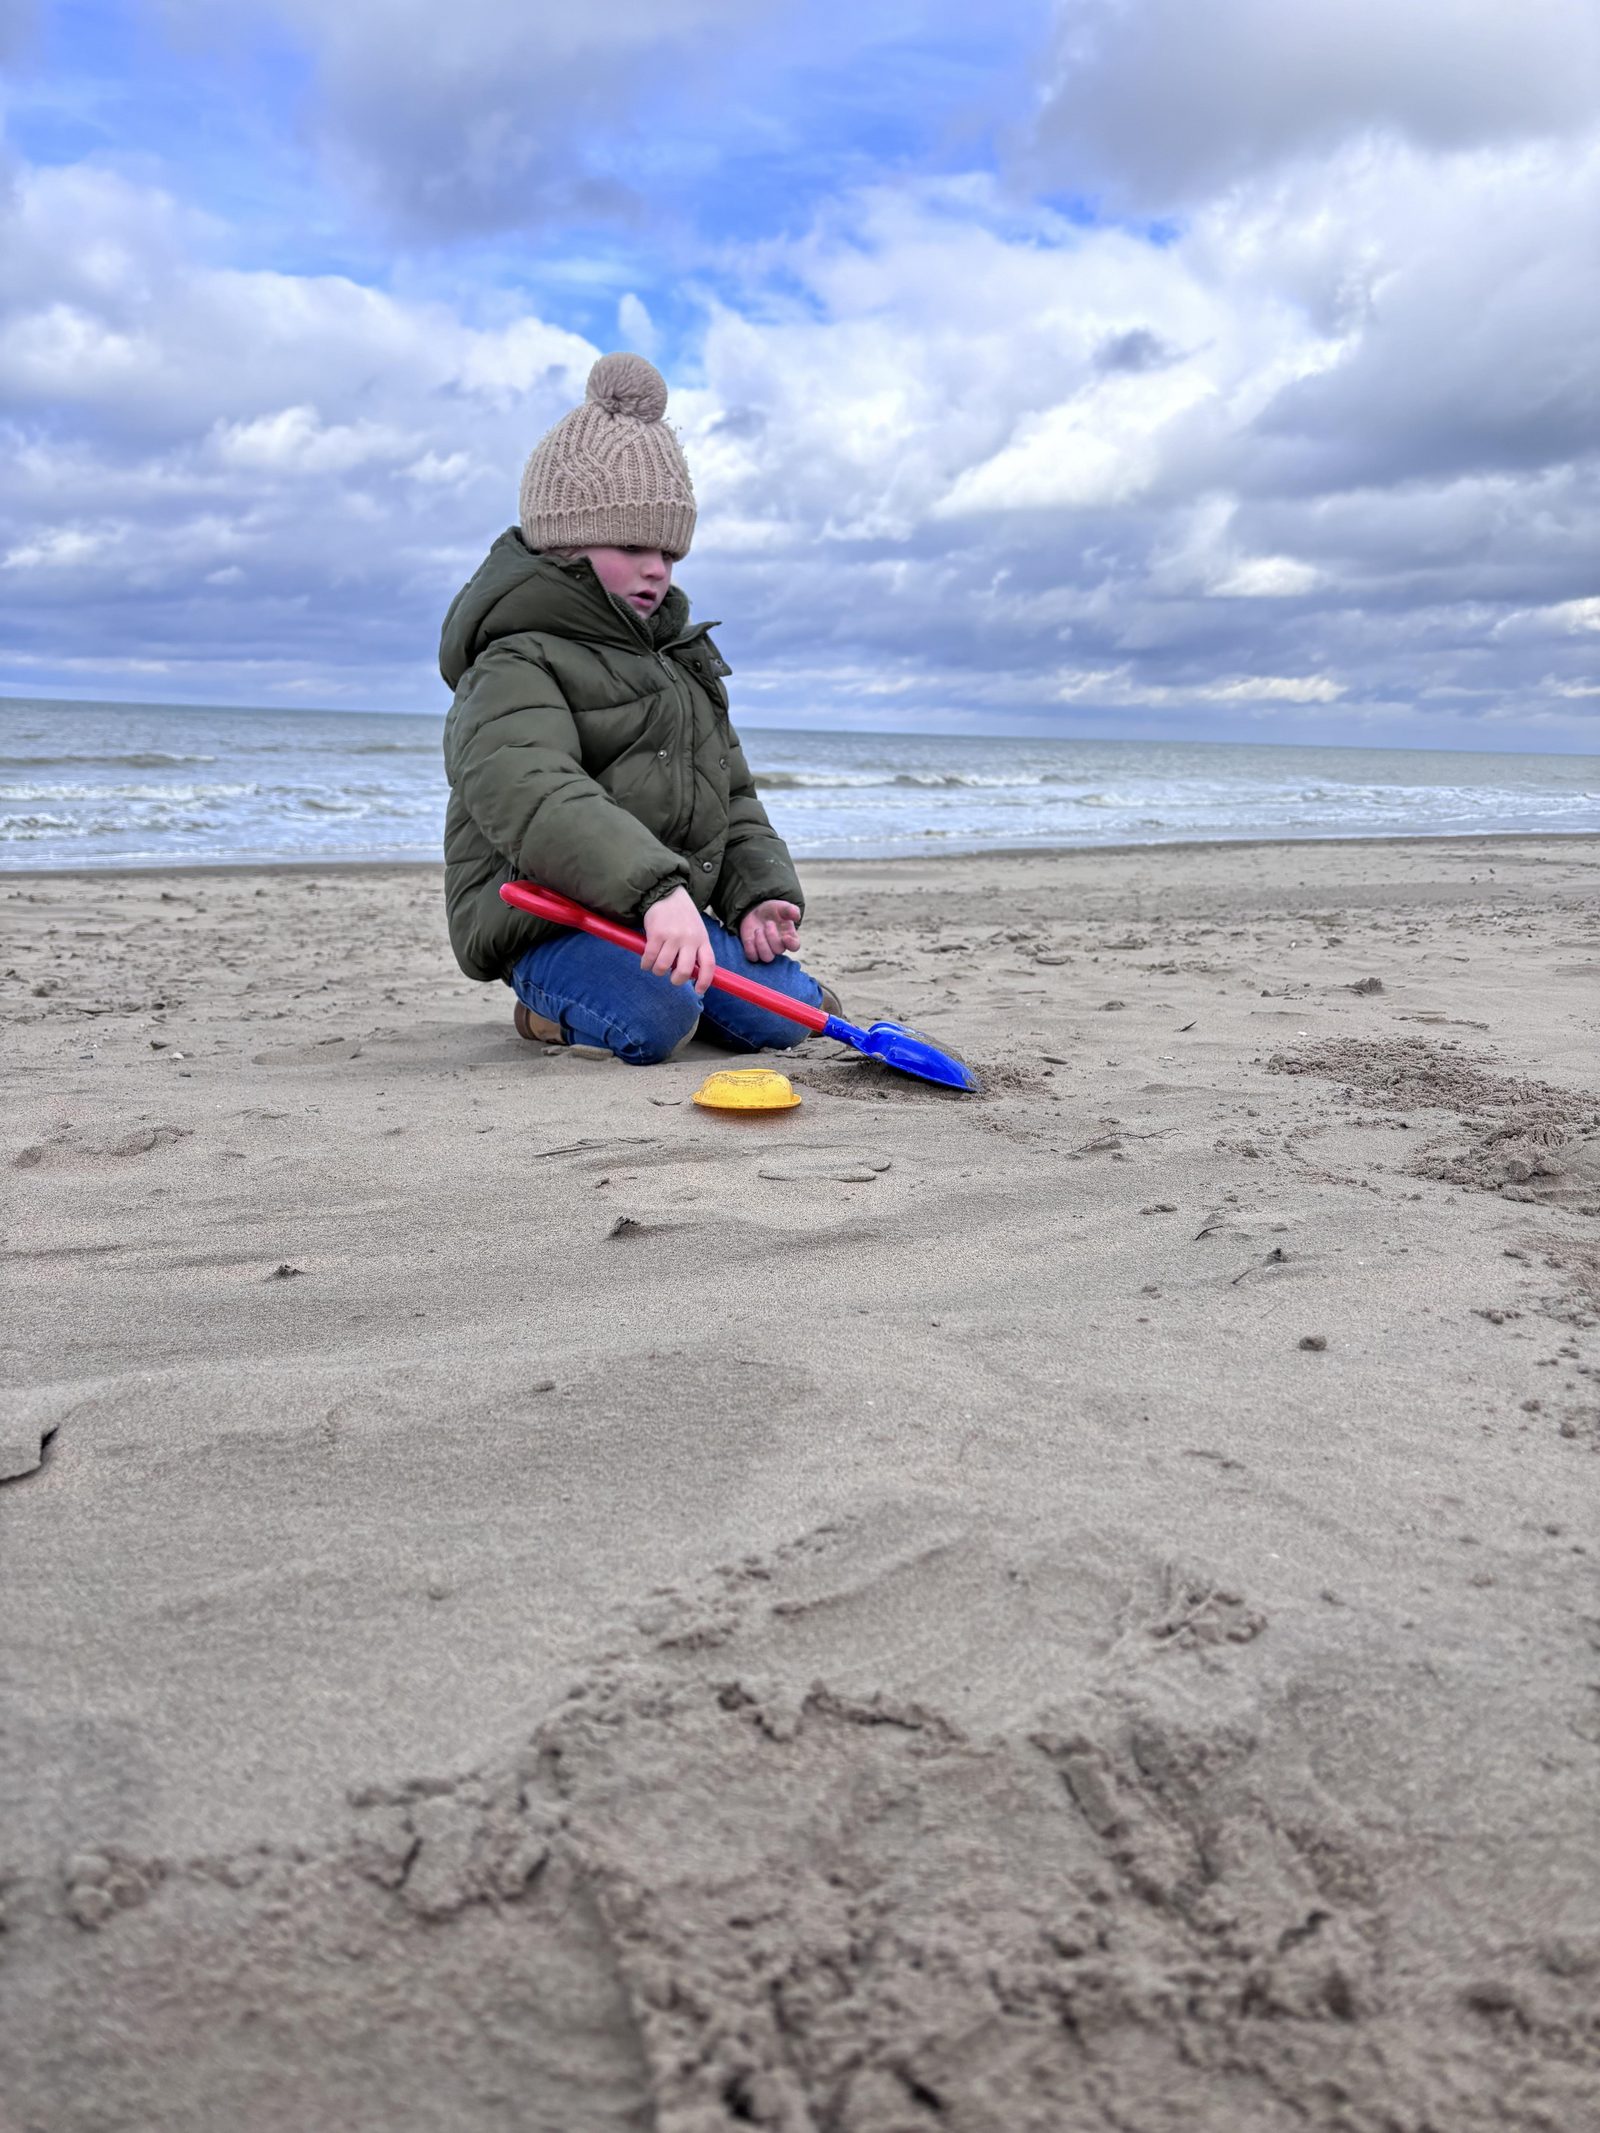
{"type": "Point", "coordinates": [530, 1606]}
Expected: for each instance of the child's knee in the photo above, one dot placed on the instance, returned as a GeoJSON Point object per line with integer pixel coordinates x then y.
{"type": "Point", "coordinates": [648, 1037]}
{"type": "Point", "coordinates": [755, 1029]}
{"type": "Point", "coordinates": [782, 1036]}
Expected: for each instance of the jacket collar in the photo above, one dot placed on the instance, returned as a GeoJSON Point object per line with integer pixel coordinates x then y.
{"type": "Point", "coordinates": [516, 589]}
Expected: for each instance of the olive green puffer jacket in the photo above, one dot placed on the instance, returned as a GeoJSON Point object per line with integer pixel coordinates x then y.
{"type": "Point", "coordinates": [589, 749]}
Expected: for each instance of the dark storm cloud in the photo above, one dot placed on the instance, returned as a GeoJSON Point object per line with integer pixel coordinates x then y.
{"type": "Point", "coordinates": [1137, 349]}
{"type": "Point", "coordinates": [1158, 102]}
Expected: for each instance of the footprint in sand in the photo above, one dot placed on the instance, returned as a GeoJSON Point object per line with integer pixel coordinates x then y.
{"type": "Point", "coordinates": [322, 1051]}
{"type": "Point", "coordinates": [844, 1167]}
{"type": "Point", "coordinates": [1182, 1608]}
{"type": "Point", "coordinates": [24, 1440]}
{"type": "Point", "coordinates": [69, 1148]}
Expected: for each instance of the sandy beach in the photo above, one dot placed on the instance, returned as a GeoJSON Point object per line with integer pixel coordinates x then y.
{"type": "Point", "coordinates": [529, 1605]}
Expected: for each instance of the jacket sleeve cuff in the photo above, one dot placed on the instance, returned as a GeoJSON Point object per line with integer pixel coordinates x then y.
{"type": "Point", "coordinates": [663, 888]}
{"type": "Point", "coordinates": [746, 904]}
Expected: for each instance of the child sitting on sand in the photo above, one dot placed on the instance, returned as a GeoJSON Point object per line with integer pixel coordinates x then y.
{"type": "Point", "coordinates": [588, 749]}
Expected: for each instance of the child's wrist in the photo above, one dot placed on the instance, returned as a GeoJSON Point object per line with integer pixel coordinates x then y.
{"type": "Point", "coordinates": [660, 893]}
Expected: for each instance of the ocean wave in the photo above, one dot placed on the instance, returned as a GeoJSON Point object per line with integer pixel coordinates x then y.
{"type": "Point", "coordinates": [963, 781]}
{"type": "Point", "coordinates": [820, 781]}
{"type": "Point", "coordinates": [889, 780]}
{"type": "Point", "coordinates": [1253, 807]}
{"type": "Point", "coordinates": [132, 759]}
{"type": "Point", "coordinates": [22, 829]}
{"type": "Point", "coordinates": [125, 795]}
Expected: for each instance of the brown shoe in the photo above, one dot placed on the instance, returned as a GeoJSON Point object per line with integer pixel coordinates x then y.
{"type": "Point", "coordinates": [830, 1003]}
{"type": "Point", "coordinates": [536, 1028]}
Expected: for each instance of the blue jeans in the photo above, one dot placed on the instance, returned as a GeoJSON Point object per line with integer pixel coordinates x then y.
{"type": "Point", "coordinates": [600, 996]}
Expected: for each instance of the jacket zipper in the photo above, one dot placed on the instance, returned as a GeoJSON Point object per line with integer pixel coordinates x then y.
{"type": "Point", "coordinates": [685, 814]}
{"type": "Point", "coordinates": [685, 752]}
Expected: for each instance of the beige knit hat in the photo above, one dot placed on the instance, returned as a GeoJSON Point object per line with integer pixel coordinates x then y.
{"type": "Point", "coordinates": [611, 474]}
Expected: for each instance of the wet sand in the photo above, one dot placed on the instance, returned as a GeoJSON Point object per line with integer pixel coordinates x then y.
{"type": "Point", "coordinates": [529, 1605]}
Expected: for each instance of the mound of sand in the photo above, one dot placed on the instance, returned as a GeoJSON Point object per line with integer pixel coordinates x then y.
{"type": "Point", "coordinates": [1525, 1139]}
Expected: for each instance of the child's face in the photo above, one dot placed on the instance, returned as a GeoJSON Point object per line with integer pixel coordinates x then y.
{"type": "Point", "coordinates": [640, 576]}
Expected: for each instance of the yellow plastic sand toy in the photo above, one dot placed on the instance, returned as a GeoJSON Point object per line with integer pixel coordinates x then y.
{"type": "Point", "coordinates": [747, 1089]}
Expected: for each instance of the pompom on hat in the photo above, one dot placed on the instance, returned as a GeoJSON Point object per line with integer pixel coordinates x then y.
{"type": "Point", "coordinates": [611, 474]}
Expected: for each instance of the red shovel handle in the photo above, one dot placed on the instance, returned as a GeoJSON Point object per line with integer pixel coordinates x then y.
{"type": "Point", "coordinates": [545, 903]}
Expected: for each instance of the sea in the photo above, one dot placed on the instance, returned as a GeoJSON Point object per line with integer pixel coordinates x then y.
{"type": "Point", "coordinates": [145, 785]}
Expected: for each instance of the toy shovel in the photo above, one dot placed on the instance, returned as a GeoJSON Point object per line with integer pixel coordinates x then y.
{"type": "Point", "coordinates": [891, 1043]}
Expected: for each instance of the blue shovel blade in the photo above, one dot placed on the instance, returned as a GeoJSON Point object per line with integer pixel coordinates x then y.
{"type": "Point", "coordinates": [906, 1050]}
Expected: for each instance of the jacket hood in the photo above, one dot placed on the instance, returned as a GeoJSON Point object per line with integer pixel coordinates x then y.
{"type": "Point", "coordinates": [515, 589]}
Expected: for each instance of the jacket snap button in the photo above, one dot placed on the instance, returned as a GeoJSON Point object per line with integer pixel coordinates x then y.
{"type": "Point", "coordinates": [722, 762]}
{"type": "Point", "coordinates": [705, 866]}
{"type": "Point", "coordinates": [662, 753]}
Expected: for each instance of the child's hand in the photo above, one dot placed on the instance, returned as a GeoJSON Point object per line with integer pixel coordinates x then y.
{"type": "Point", "coordinates": [768, 930]}
{"type": "Point", "coordinates": [677, 945]}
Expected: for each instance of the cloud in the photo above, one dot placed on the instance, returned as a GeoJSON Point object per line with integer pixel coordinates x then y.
{"type": "Point", "coordinates": [117, 316]}
{"type": "Point", "coordinates": [1159, 102]}
{"type": "Point", "coordinates": [1319, 458]}
{"type": "Point", "coordinates": [295, 440]}
{"type": "Point", "coordinates": [1473, 310]}
{"type": "Point", "coordinates": [62, 548]}
{"type": "Point", "coordinates": [935, 408]}
{"type": "Point", "coordinates": [1106, 686]}
{"type": "Point", "coordinates": [1562, 618]}
{"type": "Point", "coordinates": [196, 456]}
{"type": "Point", "coordinates": [480, 116]}
{"type": "Point", "coordinates": [635, 327]}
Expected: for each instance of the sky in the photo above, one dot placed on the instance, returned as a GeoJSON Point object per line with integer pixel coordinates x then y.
{"type": "Point", "coordinates": [1127, 368]}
